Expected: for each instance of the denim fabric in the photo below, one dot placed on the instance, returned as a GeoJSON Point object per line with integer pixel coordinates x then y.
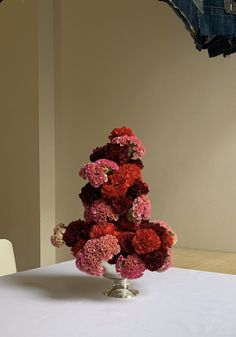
{"type": "Point", "coordinates": [221, 23]}
{"type": "Point", "coordinates": [192, 18]}
{"type": "Point", "coordinates": [199, 4]}
{"type": "Point", "coordinates": [212, 23]}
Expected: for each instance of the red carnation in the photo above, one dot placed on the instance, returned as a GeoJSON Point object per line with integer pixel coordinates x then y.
{"type": "Point", "coordinates": [131, 171]}
{"type": "Point", "coordinates": [146, 241]}
{"type": "Point", "coordinates": [167, 239]}
{"type": "Point", "coordinates": [117, 132]}
{"type": "Point", "coordinates": [102, 229]}
{"type": "Point", "coordinates": [115, 187]}
{"type": "Point", "coordinates": [119, 182]}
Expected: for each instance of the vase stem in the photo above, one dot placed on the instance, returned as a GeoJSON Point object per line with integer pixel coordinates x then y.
{"type": "Point", "coordinates": [121, 289]}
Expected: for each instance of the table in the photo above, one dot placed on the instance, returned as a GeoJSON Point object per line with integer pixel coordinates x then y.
{"type": "Point", "coordinates": [59, 301]}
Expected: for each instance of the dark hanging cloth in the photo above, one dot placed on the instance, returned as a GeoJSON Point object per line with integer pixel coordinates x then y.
{"type": "Point", "coordinates": [212, 23]}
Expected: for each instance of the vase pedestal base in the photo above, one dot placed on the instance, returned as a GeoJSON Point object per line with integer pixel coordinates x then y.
{"type": "Point", "coordinates": [121, 289]}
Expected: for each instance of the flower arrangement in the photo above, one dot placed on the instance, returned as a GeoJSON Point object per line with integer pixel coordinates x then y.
{"type": "Point", "coordinates": [117, 226]}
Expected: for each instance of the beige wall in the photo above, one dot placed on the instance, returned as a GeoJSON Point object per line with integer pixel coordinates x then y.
{"type": "Point", "coordinates": [127, 62]}
{"type": "Point", "coordinates": [131, 62]}
{"type": "Point", "coordinates": [19, 185]}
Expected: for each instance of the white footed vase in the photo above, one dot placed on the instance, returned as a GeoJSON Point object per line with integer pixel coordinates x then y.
{"type": "Point", "coordinates": [121, 286]}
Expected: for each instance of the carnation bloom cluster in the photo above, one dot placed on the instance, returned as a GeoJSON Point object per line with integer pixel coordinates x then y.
{"type": "Point", "coordinates": [117, 226]}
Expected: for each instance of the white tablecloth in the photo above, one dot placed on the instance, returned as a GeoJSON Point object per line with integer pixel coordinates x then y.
{"type": "Point", "coordinates": [59, 301]}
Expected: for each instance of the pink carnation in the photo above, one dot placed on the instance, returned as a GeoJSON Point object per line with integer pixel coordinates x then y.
{"type": "Point", "coordinates": [131, 267]}
{"type": "Point", "coordinates": [94, 252]}
{"type": "Point", "coordinates": [89, 264]}
{"type": "Point", "coordinates": [141, 209]}
{"type": "Point", "coordinates": [136, 147]}
{"type": "Point", "coordinates": [108, 165]}
{"type": "Point", "coordinates": [104, 247]}
{"type": "Point", "coordinates": [99, 212]}
{"type": "Point", "coordinates": [96, 172]}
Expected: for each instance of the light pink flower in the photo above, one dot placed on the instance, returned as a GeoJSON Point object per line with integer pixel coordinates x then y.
{"type": "Point", "coordinates": [89, 264]}
{"type": "Point", "coordinates": [94, 252]}
{"type": "Point", "coordinates": [131, 267]}
{"type": "Point", "coordinates": [57, 237]}
{"type": "Point", "coordinates": [94, 173]}
{"type": "Point", "coordinates": [108, 165]}
{"type": "Point", "coordinates": [141, 209]}
{"type": "Point", "coordinates": [97, 172]}
{"type": "Point", "coordinates": [136, 147]}
{"type": "Point", "coordinates": [104, 247]}
{"type": "Point", "coordinates": [99, 212]}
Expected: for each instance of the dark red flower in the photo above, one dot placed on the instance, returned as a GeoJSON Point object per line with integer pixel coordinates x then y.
{"type": "Point", "coordinates": [114, 152]}
{"type": "Point", "coordinates": [155, 260]}
{"type": "Point", "coordinates": [146, 241]}
{"type": "Point", "coordinates": [98, 153]}
{"type": "Point", "coordinates": [125, 242]}
{"type": "Point", "coordinates": [137, 189]}
{"type": "Point", "coordinates": [79, 245]}
{"type": "Point", "coordinates": [117, 132]}
{"type": "Point", "coordinates": [114, 259]}
{"type": "Point", "coordinates": [76, 230]}
{"type": "Point", "coordinates": [89, 194]}
{"type": "Point", "coordinates": [121, 205]}
{"type": "Point", "coordinates": [117, 153]}
{"type": "Point", "coordinates": [125, 225]}
{"type": "Point", "coordinates": [102, 229]}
